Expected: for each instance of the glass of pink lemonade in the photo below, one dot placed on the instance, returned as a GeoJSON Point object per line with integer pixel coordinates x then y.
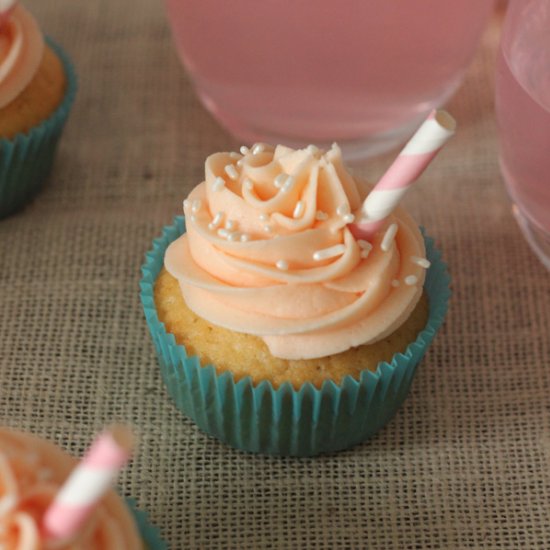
{"type": "Point", "coordinates": [523, 112]}
{"type": "Point", "coordinates": [364, 73]}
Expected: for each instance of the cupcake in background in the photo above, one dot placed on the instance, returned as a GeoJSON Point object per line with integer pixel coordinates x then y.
{"type": "Point", "coordinates": [49, 500]}
{"type": "Point", "coordinates": [37, 89]}
{"type": "Point", "coordinates": [282, 323]}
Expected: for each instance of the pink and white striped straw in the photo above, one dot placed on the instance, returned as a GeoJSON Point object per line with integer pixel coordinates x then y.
{"type": "Point", "coordinates": [88, 482]}
{"type": "Point", "coordinates": [405, 170]}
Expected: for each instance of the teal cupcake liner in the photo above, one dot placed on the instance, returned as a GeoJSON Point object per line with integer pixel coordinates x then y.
{"type": "Point", "coordinates": [285, 421]}
{"type": "Point", "coordinates": [149, 533]}
{"type": "Point", "coordinates": [26, 160]}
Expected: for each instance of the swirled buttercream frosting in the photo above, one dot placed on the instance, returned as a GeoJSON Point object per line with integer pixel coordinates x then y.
{"type": "Point", "coordinates": [21, 50]}
{"type": "Point", "coordinates": [268, 252]}
{"type": "Point", "coordinates": [31, 472]}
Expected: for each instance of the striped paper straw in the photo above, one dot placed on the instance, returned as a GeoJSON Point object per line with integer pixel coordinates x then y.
{"type": "Point", "coordinates": [405, 170]}
{"type": "Point", "coordinates": [89, 481]}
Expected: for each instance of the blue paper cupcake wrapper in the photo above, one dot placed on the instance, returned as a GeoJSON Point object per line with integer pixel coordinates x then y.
{"type": "Point", "coordinates": [149, 533]}
{"type": "Point", "coordinates": [285, 421]}
{"type": "Point", "coordinates": [26, 159]}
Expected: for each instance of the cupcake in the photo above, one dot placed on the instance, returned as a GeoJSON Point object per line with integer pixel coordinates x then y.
{"type": "Point", "coordinates": [31, 472]}
{"type": "Point", "coordinates": [277, 330]}
{"type": "Point", "coordinates": [37, 89]}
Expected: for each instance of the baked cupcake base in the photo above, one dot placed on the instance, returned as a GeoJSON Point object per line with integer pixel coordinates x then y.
{"type": "Point", "coordinates": [287, 421]}
{"type": "Point", "coordinates": [247, 355]}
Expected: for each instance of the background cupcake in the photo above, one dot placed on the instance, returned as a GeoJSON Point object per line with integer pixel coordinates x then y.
{"type": "Point", "coordinates": [32, 471]}
{"type": "Point", "coordinates": [277, 330]}
{"type": "Point", "coordinates": [37, 89]}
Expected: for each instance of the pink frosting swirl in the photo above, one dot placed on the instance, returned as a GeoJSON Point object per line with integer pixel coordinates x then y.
{"type": "Point", "coordinates": [268, 252]}
{"type": "Point", "coordinates": [21, 50]}
{"type": "Point", "coordinates": [31, 472]}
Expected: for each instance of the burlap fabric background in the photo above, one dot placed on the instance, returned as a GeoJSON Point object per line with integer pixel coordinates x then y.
{"type": "Point", "coordinates": [465, 464]}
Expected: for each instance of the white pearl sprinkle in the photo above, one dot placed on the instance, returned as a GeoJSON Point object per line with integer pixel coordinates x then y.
{"type": "Point", "coordinates": [312, 149]}
{"type": "Point", "coordinates": [422, 262]}
{"type": "Point", "coordinates": [230, 224]}
{"type": "Point", "coordinates": [299, 209]}
{"type": "Point", "coordinates": [245, 237]}
{"type": "Point", "coordinates": [348, 218]}
{"type": "Point", "coordinates": [268, 228]}
{"type": "Point", "coordinates": [258, 148]}
{"type": "Point", "coordinates": [234, 237]}
{"type": "Point", "coordinates": [364, 254]}
{"type": "Point", "coordinates": [263, 217]}
{"type": "Point", "coordinates": [411, 280]}
{"type": "Point", "coordinates": [282, 265]}
{"type": "Point", "coordinates": [364, 244]}
{"type": "Point", "coordinates": [395, 283]}
{"type": "Point", "coordinates": [231, 171]}
{"type": "Point", "coordinates": [343, 209]}
{"type": "Point", "coordinates": [321, 216]}
{"type": "Point", "coordinates": [224, 233]}
{"type": "Point", "coordinates": [186, 203]}
{"type": "Point", "coordinates": [331, 252]}
{"type": "Point", "coordinates": [290, 181]}
{"type": "Point", "coordinates": [219, 184]}
{"type": "Point", "coordinates": [196, 206]}
{"type": "Point", "coordinates": [240, 163]}
{"type": "Point", "coordinates": [387, 240]}
{"type": "Point", "coordinates": [280, 180]}
{"type": "Point", "coordinates": [216, 220]}
{"type": "Point", "coordinates": [244, 150]}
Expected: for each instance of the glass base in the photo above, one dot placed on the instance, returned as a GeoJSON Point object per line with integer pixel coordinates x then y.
{"type": "Point", "coordinates": [538, 239]}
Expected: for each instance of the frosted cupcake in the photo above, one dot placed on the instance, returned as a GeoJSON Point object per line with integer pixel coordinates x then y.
{"type": "Point", "coordinates": [37, 88]}
{"type": "Point", "coordinates": [31, 472]}
{"type": "Point", "coordinates": [277, 329]}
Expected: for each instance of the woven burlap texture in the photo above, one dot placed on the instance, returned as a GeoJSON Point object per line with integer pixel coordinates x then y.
{"type": "Point", "coordinates": [465, 463]}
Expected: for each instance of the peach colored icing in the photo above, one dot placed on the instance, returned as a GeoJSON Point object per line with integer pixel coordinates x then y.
{"type": "Point", "coordinates": [271, 255]}
{"type": "Point", "coordinates": [21, 50]}
{"type": "Point", "coordinates": [31, 472]}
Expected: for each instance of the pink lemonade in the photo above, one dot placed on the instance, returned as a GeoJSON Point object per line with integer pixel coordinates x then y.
{"type": "Point", "coordinates": [523, 109]}
{"type": "Point", "coordinates": [364, 73]}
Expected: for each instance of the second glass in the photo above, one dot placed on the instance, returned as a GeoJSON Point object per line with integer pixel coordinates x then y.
{"type": "Point", "coordinates": [362, 73]}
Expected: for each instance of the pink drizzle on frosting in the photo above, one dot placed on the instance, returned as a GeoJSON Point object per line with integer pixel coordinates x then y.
{"type": "Point", "coordinates": [21, 50]}
{"type": "Point", "coordinates": [31, 472]}
{"type": "Point", "coordinates": [299, 280]}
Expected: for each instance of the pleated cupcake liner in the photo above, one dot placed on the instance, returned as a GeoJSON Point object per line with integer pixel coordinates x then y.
{"type": "Point", "coordinates": [285, 421]}
{"type": "Point", "coordinates": [149, 533]}
{"type": "Point", "coordinates": [26, 160]}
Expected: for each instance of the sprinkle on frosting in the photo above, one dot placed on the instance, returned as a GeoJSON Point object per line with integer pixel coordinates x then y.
{"type": "Point", "coordinates": [282, 265]}
{"type": "Point", "coordinates": [389, 237]}
{"type": "Point", "coordinates": [299, 209]}
{"type": "Point", "coordinates": [244, 150]}
{"type": "Point", "coordinates": [321, 216]}
{"type": "Point", "coordinates": [411, 280]}
{"type": "Point", "coordinates": [258, 148]}
{"type": "Point", "coordinates": [422, 262]}
{"type": "Point", "coordinates": [219, 184]}
{"type": "Point", "coordinates": [231, 171]}
{"type": "Point", "coordinates": [331, 252]}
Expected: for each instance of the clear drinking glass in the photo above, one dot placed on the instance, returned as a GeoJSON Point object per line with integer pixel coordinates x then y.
{"type": "Point", "coordinates": [523, 113]}
{"type": "Point", "coordinates": [364, 73]}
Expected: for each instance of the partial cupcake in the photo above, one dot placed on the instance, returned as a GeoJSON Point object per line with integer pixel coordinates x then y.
{"type": "Point", "coordinates": [32, 471]}
{"type": "Point", "coordinates": [283, 324]}
{"type": "Point", "coordinates": [37, 89]}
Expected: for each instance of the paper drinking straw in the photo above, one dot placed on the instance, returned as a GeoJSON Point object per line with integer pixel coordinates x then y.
{"type": "Point", "coordinates": [405, 170]}
{"type": "Point", "coordinates": [88, 482]}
